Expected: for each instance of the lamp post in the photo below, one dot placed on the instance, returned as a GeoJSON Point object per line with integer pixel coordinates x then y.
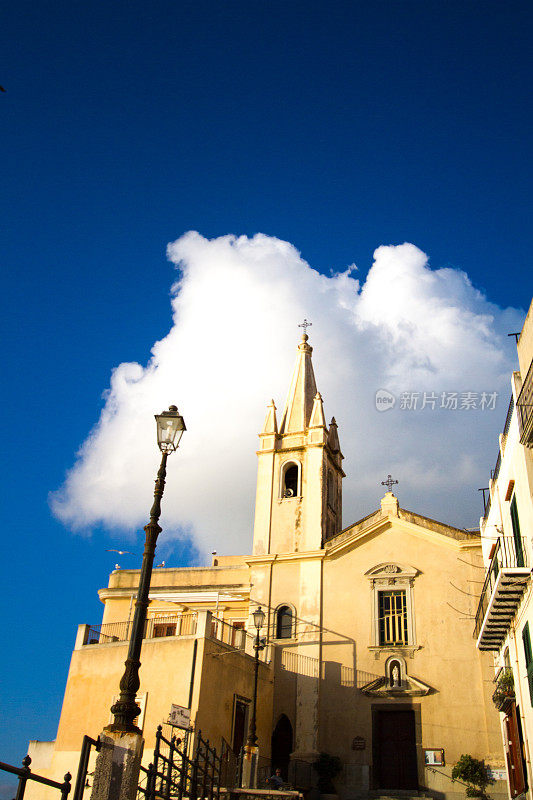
{"type": "Point", "coordinates": [251, 751]}
{"type": "Point", "coordinates": [259, 621]}
{"type": "Point", "coordinates": [170, 427]}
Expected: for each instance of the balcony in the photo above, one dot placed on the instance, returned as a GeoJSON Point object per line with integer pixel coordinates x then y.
{"type": "Point", "coordinates": [505, 583]}
{"type": "Point", "coordinates": [524, 407]}
{"type": "Point", "coordinates": [154, 628]}
{"type": "Point", "coordinates": [504, 693]}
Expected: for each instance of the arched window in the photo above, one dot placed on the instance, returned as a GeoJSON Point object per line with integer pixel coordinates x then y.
{"type": "Point", "coordinates": [284, 623]}
{"type": "Point", "coordinates": [290, 480]}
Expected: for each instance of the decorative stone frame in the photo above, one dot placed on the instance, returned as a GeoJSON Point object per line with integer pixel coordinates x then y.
{"type": "Point", "coordinates": [275, 622]}
{"type": "Point", "coordinates": [291, 462]}
{"type": "Point", "coordinates": [388, 577]}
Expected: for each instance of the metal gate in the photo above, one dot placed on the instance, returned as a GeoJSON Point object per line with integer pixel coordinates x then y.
{"type": "Point", "coordinates": [174, 774]}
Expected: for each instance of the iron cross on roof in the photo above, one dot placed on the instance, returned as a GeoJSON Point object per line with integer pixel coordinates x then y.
{"type": "Point", "coordinates": [305, 325]}
{"type": "Point", "coordinates": [389, 482]}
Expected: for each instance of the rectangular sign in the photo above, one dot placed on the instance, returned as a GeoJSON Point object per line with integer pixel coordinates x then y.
{"type": "Point", "coordinates": [498, 774]}
{"type": "Point", "coordinates": [434, 757]}
{"type": "Point", "coordinates": [179, 716]}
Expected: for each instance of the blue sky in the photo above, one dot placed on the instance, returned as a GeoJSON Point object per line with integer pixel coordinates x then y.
{"type": "Point", "coordinates": [335, 126]}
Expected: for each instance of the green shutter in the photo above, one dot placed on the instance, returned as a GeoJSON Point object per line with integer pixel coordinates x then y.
{"type": "Point", "coordinates": [526, 639]}
{"type": "Point", "coordinates": [516, 534]}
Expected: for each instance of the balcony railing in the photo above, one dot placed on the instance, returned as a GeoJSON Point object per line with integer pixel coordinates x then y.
{"type": "Point", "coordinates": [524, 407]}
{"type": "Point", "coordinates": [236, 637]}
{"type": "Point", "coordinates": [154, 627]}
{"type": "Point", "coordinates": [504, 585]}
{"type": "Point", "coordinates": [496, 471]}
{"type": "Point", "coordinates": [504, 693]}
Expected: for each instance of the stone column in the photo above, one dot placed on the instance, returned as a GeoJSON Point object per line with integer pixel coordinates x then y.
{"type": "Point", "coordinates": [116, 775]}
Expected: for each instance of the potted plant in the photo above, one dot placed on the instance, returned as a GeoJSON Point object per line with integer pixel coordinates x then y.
{"type": "Point", "coordinates": [474, 774]}
{"type": "Point", "coordinates": [504, 692]}
{"type": "Point", "coordinates": [328, 767]}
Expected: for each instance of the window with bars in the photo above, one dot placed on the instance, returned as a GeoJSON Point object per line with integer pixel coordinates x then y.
{"type": "Point", "coordinates": [393, 618]}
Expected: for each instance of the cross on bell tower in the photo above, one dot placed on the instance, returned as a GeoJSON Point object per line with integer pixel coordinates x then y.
{"type": "Point", "coordinates": [389, 483]}
{"type": "Point", "coordinates": [305, 325]}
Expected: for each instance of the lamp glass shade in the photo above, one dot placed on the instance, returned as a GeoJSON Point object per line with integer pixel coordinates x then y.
{"type": "Point", "coordinates": [259, 618]}
{"type": "Point", "coordinates": [170, 427]}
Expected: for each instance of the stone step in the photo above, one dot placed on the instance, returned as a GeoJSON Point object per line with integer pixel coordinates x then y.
{"type": "Point", "coordinates": [408, 794]}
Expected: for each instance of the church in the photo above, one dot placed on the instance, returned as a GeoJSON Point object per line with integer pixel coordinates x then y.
{"type": "Point", "coordinates": [366, 657]}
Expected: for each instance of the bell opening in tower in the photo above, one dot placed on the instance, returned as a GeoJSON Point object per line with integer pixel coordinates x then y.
{"type": "Point", "coordinates": [290, 481]}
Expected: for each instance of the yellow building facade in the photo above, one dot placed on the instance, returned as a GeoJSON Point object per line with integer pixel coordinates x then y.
{"type": "Point", "coordinates": [366, 658]}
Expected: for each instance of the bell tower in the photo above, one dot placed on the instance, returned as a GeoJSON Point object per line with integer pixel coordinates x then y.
{"type": "Point", "coordinates": [299, 476]}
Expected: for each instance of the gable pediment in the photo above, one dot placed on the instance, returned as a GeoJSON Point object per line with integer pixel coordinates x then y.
{"type": "Point", "coordinates": [406, 522]}
{"type": "Point", "coordinates": [409, 687]}
{"type": "Point", "coordinates": [391, 570]}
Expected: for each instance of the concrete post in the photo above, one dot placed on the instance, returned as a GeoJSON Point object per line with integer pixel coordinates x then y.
{"type": "Point", "coordinates": [81, 636]}
{"type": "Point", "coordinates": [203, 625]}
{"type": "Point", "coordinates": [249, 766]}
{"type": "Point", "coordinates": [116, 774]}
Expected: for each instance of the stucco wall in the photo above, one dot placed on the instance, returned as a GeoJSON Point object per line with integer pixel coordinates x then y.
{"type": "Point", "coordinates": [456, 714]}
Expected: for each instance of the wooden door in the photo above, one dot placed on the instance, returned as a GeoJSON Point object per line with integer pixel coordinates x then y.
{"type": "Point", "coordinates": [513, 752]}
{"type": "Point", "coordinates": [395, 765]}
{"type": "Point", "coordinates": [240, 718]}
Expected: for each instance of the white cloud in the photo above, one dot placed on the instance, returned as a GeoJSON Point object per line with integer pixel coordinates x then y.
{"type": "Point", "coordinates": [231, 348]}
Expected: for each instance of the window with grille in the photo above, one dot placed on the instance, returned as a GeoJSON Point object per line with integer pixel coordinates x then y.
{"type": "Point", "coordinates": [393, 618]}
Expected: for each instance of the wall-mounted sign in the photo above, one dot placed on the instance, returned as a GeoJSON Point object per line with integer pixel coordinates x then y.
{"type": "Point", "coordinates": [179, 716]}
{"type": "Point", "coordinates": [434, 757]}
{"type": "Point", "coordinates": [498, 774]}
{"type": "Point", "coordinates": [359, 743]}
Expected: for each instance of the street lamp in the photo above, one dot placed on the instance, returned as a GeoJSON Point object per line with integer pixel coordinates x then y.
{"type": "Point", "coordinates": [170, 427]}
{"type": "Point", "coordinates": [259, 644]}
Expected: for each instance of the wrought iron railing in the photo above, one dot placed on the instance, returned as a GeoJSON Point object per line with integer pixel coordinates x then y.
{"type": "Point", "coordinates": [173, 774]}
{"type": "Point", "coordinates": [509, 416]}
{"type": "Point", "coordinates": [25, 774]}
{"type": "Point", "coordinates": [496, 471]}
{"type": "Point", "coordinates": [154, 627]}
{"type": "Point", "coordinates": [504, 692]}
{"type": "Point", "coordinates": [509, 552]}
{"type": "Point", "coordinates": [524, 407]}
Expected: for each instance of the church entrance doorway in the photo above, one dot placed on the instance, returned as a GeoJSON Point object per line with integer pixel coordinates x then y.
{"type": "Point", "coordinates": [282, 746]}
{"type": "Point", "coordinates": [394, 746]}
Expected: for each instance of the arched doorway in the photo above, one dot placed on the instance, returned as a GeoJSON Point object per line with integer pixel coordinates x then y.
{"type": "Point", "coordinates": [282, 746]}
